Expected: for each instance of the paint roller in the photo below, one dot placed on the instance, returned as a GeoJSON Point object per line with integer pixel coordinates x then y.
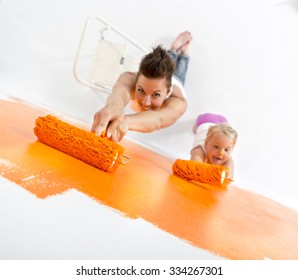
{"type": "Point", "coordinates": [95, 150]}
{"type": "Point", "coordinates": [205, 173]}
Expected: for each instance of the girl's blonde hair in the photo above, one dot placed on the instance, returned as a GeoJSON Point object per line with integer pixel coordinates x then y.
{"type": "Point", "coordinates": [223, 128]}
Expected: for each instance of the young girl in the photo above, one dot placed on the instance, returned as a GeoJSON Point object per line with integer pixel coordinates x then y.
{"type": "Point", "coordinates": [214, 141]}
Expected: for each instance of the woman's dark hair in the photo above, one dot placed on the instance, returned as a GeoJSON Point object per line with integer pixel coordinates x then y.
{"type": "Point", "coordinates": [157, 64]}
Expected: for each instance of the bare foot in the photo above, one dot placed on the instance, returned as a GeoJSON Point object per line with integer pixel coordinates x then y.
{"type": "Point", "coordinates": [182, 39]}
{"type": "Point", "coordinates": [184, 48]}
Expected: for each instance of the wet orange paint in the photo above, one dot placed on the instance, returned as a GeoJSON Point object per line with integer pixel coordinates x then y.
{"type": "Point", "coordinates": [234, 223]}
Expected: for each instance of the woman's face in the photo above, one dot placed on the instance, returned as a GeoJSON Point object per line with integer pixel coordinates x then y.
{"type": "Point", "coordinates": [150, 93]}
{"type": "Point", "coordinates": [219, 148]}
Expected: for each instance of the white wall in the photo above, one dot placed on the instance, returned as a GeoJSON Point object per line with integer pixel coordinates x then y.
{"type": "Point", "coordinates": [244, 64]}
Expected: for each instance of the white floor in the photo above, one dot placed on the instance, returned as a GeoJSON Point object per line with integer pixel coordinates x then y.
{"type": "Point", "coordinates": [73, 226]}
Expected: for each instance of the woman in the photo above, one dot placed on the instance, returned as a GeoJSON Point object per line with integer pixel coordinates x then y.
{"type": "Point", "coordinates": [155, 93]}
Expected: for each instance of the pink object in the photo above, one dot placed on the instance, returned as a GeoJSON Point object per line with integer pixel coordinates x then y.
{"type": "Point", "coordinates": [210, 118]}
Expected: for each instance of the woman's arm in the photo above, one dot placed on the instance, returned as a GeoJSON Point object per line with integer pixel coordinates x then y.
{"type": "Point", "coordinates": [151, 120]}
{"type": "Point", "coordinates": [115, 104]}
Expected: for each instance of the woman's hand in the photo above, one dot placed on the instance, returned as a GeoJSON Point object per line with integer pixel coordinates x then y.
{"type": "Point", "coordinates": [118, 129]}
{"type": "Point", "coordinates": [105, 117]}
{"type": "Point", "coordinates": [110, 117]}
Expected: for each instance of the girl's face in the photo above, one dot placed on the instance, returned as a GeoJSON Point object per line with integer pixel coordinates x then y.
{"type": "Point", "coordinates": [150, 93]}
{"type": "Point", "coordinates": [219, 148]}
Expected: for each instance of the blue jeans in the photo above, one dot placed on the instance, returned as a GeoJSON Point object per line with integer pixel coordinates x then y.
{"type": "Point", "coordinates": [181, 65]}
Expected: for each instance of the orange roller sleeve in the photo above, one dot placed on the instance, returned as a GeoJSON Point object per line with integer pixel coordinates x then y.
{"type": "Point", "coordinates": [205, 173]}
{"type": "Point", "coordinates": [95, 150]}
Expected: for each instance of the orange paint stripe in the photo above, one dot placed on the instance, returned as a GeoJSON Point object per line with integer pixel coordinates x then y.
{"type": "Point", "coordinates": [235, 223]}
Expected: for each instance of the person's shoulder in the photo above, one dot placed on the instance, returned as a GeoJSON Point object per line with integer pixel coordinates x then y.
{"type": "Point", "coordinates": [229, 163]}
{"type": "Point", "coordinates": [127, 79]}
{"type": "Point", "coordinates": [129, 75]}
{"type": "Point", "coordinates": [177, 92]}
